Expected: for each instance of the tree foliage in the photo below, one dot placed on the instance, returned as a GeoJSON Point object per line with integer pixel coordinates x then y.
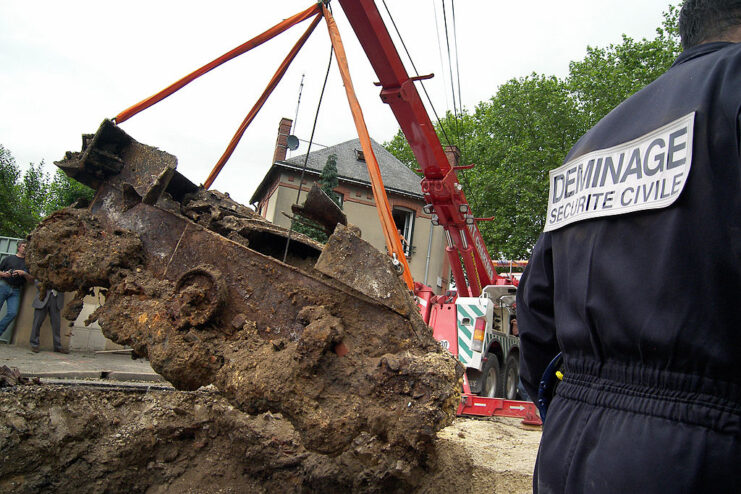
{"type": "Point", "coordinates": [607, 76]}
{"type": "Point", "coordinates": [399, 147]}
{"type": "Point", "coordinates": [328, 181]}
{"type": "Point", "coordinates": [529, 125]}
{"type": "Point", "coordinates": [28, 197]}
{"type": "Point", "coordinates": [526, 128]}
{"type": "Point", "coordinates": [10, 217]}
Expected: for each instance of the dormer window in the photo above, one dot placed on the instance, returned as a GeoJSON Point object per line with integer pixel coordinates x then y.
{"type": "Point", "coordinates": [359, 155]}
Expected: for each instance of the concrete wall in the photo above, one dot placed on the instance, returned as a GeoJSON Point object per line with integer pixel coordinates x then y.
{"type": "Point", "coordinates": [75, 335]}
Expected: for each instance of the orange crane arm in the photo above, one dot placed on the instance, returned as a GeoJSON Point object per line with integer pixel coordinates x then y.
{"type": "Point", "coordinates": [243, 48]}
{"type": "Point", "coordinates": [393, 242]}
{"type": "Point", "coordinates": [259, 104]}
{"type": "Point", "coordinates": [441, 188]}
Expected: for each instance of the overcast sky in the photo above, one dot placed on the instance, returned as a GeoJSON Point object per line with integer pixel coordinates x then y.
{"type": "Point", "coordinates": [65, 66]}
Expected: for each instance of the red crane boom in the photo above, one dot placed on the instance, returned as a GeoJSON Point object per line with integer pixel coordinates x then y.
{"type": "Point", "coordinates": [442, 191]}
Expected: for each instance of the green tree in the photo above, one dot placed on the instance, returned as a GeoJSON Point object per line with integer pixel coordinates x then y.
{"type": "Point", "coordinates": [521, 133]}
{"type": "Point", "coordinates": [608, 76]}
{"type": "Point", "coordinates": [529, 125]}
{"type": "Point", "coordinates": [10, 213]}
{"type": "Point", "coordinates": [26, 198]}
{"type": "Point", "coordinates": [64, 191]}
{"type": "Point", "coordinates": [33, 189]}
{"type": "Point", "coordinates": [399, 147]}
{"type": "Point", "coordinates": [328, 181]}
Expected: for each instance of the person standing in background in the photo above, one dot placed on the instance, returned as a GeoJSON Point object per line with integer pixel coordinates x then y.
{"type": "Point", "coordinates": [52, 302]}
{"type": "Point", "coordinates": [13, 275]}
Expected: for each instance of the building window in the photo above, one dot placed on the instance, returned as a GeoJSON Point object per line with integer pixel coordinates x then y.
{"type": "Point", "coordinates": [359, 155]}
{"type": "Point", "coordinates": [404, 219]}
{"type": "Point", "coordinates": [340, 198]}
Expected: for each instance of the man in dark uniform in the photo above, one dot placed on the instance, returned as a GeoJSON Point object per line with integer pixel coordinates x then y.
{"type": "Point", "coordinates": [51, 302]}
{"type": "Point", "coordinates": [637, 281]}
{"type": "Point", "coordinates": [13, 275]}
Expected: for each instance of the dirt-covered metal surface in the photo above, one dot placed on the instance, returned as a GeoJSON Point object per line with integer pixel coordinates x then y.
{"type": "Point", "coordinates": [194, 283]}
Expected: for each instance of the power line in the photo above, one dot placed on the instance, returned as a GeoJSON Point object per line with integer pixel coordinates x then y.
{"type": "Point", "coordinates": [457, 65]}
{"type": "Point", "coordinates": [458, 74]}
{"type": "Point", "coordinates": [440, 52]}
{"type": "Point", "coordinates": [450, 58]}
{"type": "Point", "coordinates": [308, 149]}
{"type": "Point", "coordinates": [450, 69]}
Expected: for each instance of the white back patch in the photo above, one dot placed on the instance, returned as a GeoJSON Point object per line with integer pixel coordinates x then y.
{"type": "Point", "coordinates": [649, 172]}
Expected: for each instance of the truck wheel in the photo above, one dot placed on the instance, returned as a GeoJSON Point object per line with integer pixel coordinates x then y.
{"type": "Point", "coordinates": [511, 376]}
{"type": "Point", "coordinates": [492, 376]}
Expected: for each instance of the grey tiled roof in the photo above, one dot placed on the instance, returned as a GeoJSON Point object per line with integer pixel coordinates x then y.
{"type": "Point", "coordinates": [396, 176]}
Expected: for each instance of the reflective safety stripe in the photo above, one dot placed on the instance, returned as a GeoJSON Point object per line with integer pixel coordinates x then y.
{"type": "Point", "coordinates": [465, 332]}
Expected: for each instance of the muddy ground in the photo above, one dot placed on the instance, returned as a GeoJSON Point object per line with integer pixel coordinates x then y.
{"type": "Point", "coordinates": [77, 439]}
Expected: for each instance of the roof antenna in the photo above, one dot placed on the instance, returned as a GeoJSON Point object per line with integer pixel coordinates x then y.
{"type": "Point", "coordinates": [292, 139]}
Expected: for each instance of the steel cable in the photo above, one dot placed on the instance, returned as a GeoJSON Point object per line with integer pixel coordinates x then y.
{"type": "Point", "coordinates": [308, 150]}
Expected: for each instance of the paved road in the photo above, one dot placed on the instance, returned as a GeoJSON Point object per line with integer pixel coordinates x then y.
{"type": "Point", "coordinates": [101, 366]}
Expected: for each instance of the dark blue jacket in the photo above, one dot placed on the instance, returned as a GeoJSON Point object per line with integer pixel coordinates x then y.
{"type": "Point", "coordinates": [645, 304]}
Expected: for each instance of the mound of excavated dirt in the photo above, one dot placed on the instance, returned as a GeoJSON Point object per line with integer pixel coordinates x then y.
{"type": "Point", "coordinates": [329, 339]}
{"type": "Point", "coordinates": [64, 439]}
{"type": "Point", "coordinates": [357, 379]}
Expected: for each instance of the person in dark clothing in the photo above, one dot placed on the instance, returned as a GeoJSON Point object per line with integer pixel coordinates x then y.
{"type": "Point", "coordinates": [47, 301]}
{"type": "Point", "coordinates": [636, 281]}
{"type": "Point", "coordinates": [13, 275]}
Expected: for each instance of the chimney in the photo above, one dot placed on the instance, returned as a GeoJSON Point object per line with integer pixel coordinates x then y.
{"type": "Point", "coordinates": [281, 146]}
{"type": "Point", "coordinates": [453, 154]}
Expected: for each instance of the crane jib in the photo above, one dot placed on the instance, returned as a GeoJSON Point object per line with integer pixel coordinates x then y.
{"type": "Point", "coordinates": [402, 96]}
{"type": "Point", "coordinates": [478, 242]}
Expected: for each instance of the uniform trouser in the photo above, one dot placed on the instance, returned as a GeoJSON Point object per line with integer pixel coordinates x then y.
{"type": "Point", "coordinates": [12, 296]}
{"type": "Point", "coordinates": [38, 318]}
{"type": "Point", "coordinates": [632, 444]}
